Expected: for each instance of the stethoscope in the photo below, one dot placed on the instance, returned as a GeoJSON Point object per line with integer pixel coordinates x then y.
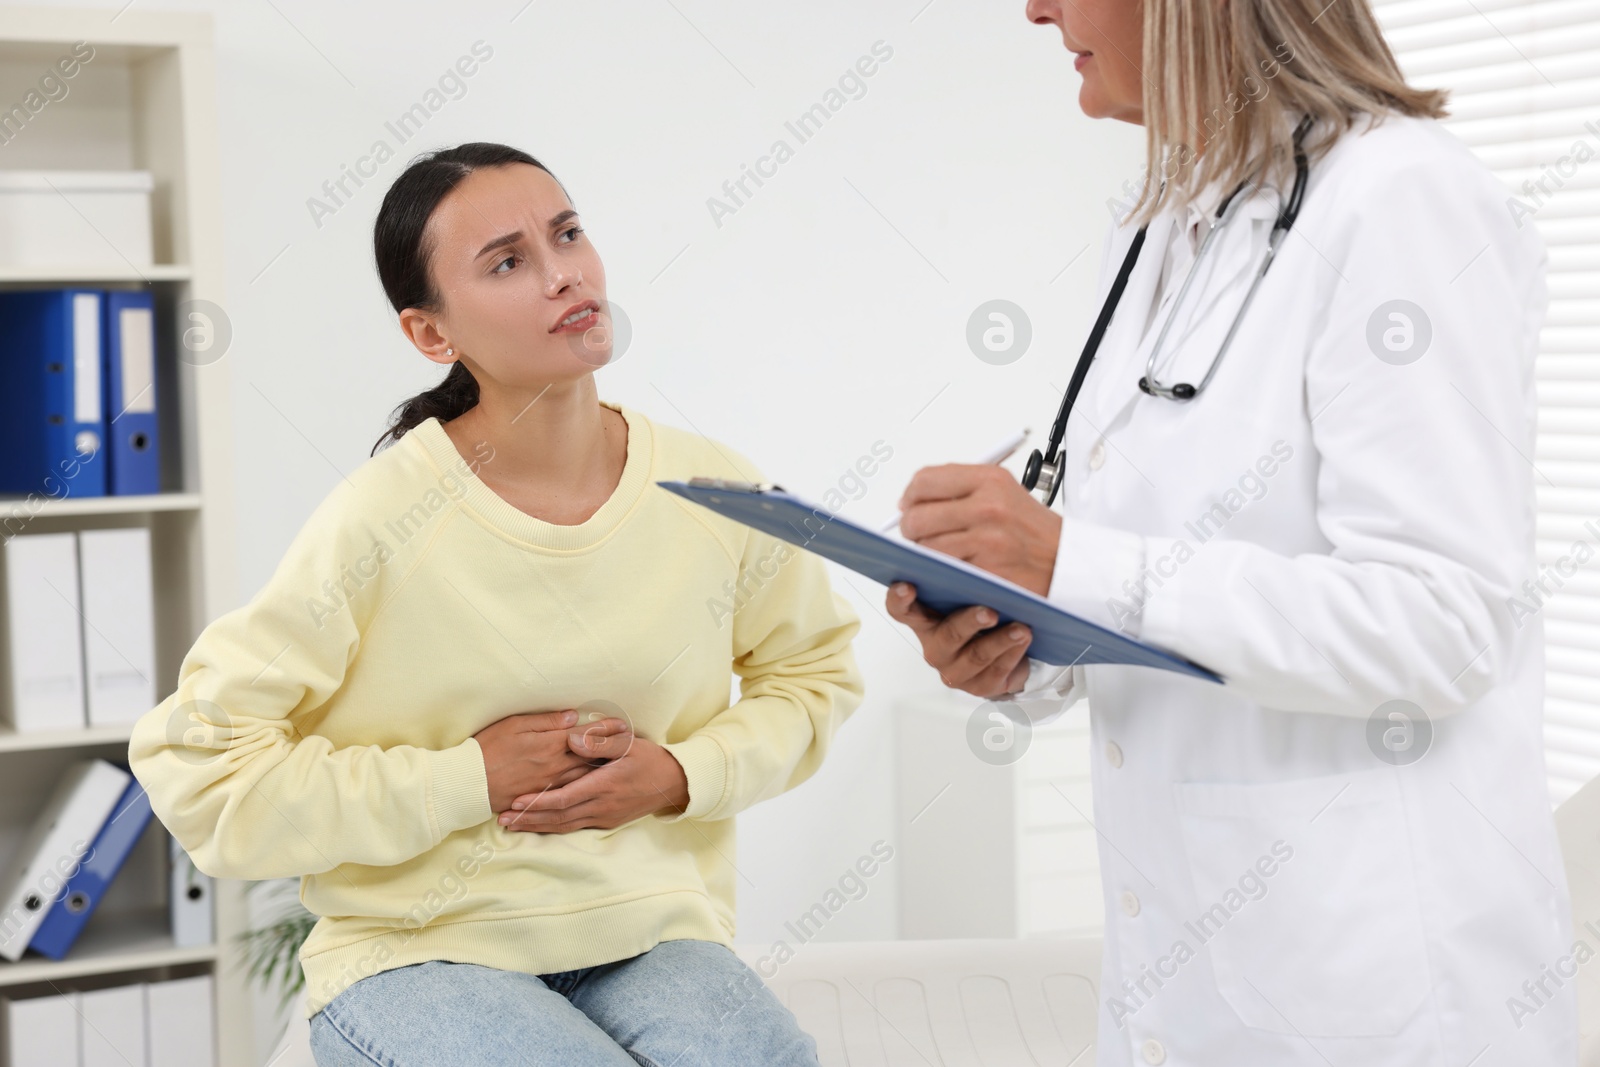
{"type": "Point", "coordinates": [1043, 469]}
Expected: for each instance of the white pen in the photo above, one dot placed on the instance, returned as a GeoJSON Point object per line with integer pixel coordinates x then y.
{"type": "Point", "coordinates": [1000, 454]}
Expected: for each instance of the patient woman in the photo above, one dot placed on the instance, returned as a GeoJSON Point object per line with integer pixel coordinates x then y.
{"type": "Point", "coordinates": [482, 707]}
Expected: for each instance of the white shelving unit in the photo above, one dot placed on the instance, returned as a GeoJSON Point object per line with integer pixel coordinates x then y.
{"type": "Point", "coordinates": [145, 101]}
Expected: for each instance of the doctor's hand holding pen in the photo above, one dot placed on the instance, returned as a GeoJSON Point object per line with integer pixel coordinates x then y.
{"type": "Point", "coordinates": [981, 514]}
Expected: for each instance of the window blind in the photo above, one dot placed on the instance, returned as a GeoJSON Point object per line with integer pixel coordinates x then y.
{"type": "Point", "coordinates": [1524, 77]}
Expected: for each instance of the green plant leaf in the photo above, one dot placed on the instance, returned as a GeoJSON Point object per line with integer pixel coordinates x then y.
{"type": "Point", "coordinates": [272, 950]}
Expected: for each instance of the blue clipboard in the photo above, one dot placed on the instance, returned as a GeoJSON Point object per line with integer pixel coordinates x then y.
{"type": "Point", "coordinates": [943, 582]}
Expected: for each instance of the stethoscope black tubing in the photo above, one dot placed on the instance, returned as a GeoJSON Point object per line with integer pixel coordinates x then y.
{"type": "Point", "coordinates": [1058, 429]}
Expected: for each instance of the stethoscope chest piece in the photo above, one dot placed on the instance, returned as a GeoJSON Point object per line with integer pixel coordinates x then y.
{"type": "Point", "coordinates": [1039, 475]}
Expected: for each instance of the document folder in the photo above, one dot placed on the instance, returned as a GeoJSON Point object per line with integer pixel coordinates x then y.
{"type": "Point", "coordinates": [43, 652]}
{"type": "Point", "coordinates": [132, 429]}
{"type": "Point", "coordinates": [119, 645]}
{"type": "Point", "coordinates": [50, 853]}
{"type": "Point", "coordinates": [112, 1026]}
{"type": "Point", "coordinates": [112, 845]}
{"type": "Point", "coordinates": [52, 413]}
{"type": "Point", "coordinates": [179, 1024]}
{"type": "Point", "coordinates": [42, 1031]}
{"type": "Point", "coordinates": [189, 901]}
{"type": "Point", "coordinates": [943, 582]}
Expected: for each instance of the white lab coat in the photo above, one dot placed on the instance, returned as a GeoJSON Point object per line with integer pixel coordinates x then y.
{"type": "Point", "coordinates": [1330, 531]}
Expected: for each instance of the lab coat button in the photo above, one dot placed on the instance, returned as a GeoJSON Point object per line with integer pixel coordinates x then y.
{"type": "Point", "coordinates": [1130, 904]}
{"type": "Point", "coordinates": [1097, 455]}
{"type": "Point", "coordinates": [1154, 1052]}
{"type": "Point", "coordinates": [1113, 754]}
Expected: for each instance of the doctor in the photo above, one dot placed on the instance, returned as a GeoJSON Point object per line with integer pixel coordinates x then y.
{"type": "Point", "coordinates": [1345, 853]}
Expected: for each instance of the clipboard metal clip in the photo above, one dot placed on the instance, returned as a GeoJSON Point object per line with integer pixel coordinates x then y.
{"type": "Point", "coordinates": [729, 485]}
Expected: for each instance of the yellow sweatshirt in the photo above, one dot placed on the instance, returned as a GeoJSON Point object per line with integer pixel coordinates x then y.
{"type": "Point", "coordinates": [325, 728]}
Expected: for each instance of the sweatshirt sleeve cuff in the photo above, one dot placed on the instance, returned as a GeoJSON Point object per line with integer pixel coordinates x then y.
{"type": "Point", "coordinates": [460, 787]}
{"type": "Point", "coordinates": [705, 767]}
{"type": "Point", "coordinates": [1097, 575]}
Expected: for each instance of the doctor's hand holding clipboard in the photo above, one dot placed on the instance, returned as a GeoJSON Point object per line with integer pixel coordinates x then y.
{"type": "Point", "coordinates": [1297, 453]}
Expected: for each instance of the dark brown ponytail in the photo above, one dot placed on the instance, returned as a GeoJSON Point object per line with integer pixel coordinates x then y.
{"type": "Point", "coordinates": [398, 246]}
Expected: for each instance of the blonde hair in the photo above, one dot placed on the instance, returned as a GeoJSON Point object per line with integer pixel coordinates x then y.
{"type": "Point", "coordinates": [1211, 65]}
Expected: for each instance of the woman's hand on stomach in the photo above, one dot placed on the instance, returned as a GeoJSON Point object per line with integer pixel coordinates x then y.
{"type": "Point", "coordinates": [642, 780]}
{"type": "Point", "coordinates": [533, 752]}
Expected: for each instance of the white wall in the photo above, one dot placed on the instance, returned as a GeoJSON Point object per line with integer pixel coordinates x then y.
{"type": "Point", "coordinates": [824, 315]}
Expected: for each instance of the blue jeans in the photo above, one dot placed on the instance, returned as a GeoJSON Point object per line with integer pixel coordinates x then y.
{"type": "Point", "coordinates": [681, 1004]}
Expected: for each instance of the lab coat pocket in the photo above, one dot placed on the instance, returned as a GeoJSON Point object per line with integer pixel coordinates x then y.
{"type": "Point", "coordinates": [1307, 903]}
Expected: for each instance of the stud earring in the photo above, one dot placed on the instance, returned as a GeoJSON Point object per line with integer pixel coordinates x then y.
{"type": "Point", "coordinates": [449, 351]}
